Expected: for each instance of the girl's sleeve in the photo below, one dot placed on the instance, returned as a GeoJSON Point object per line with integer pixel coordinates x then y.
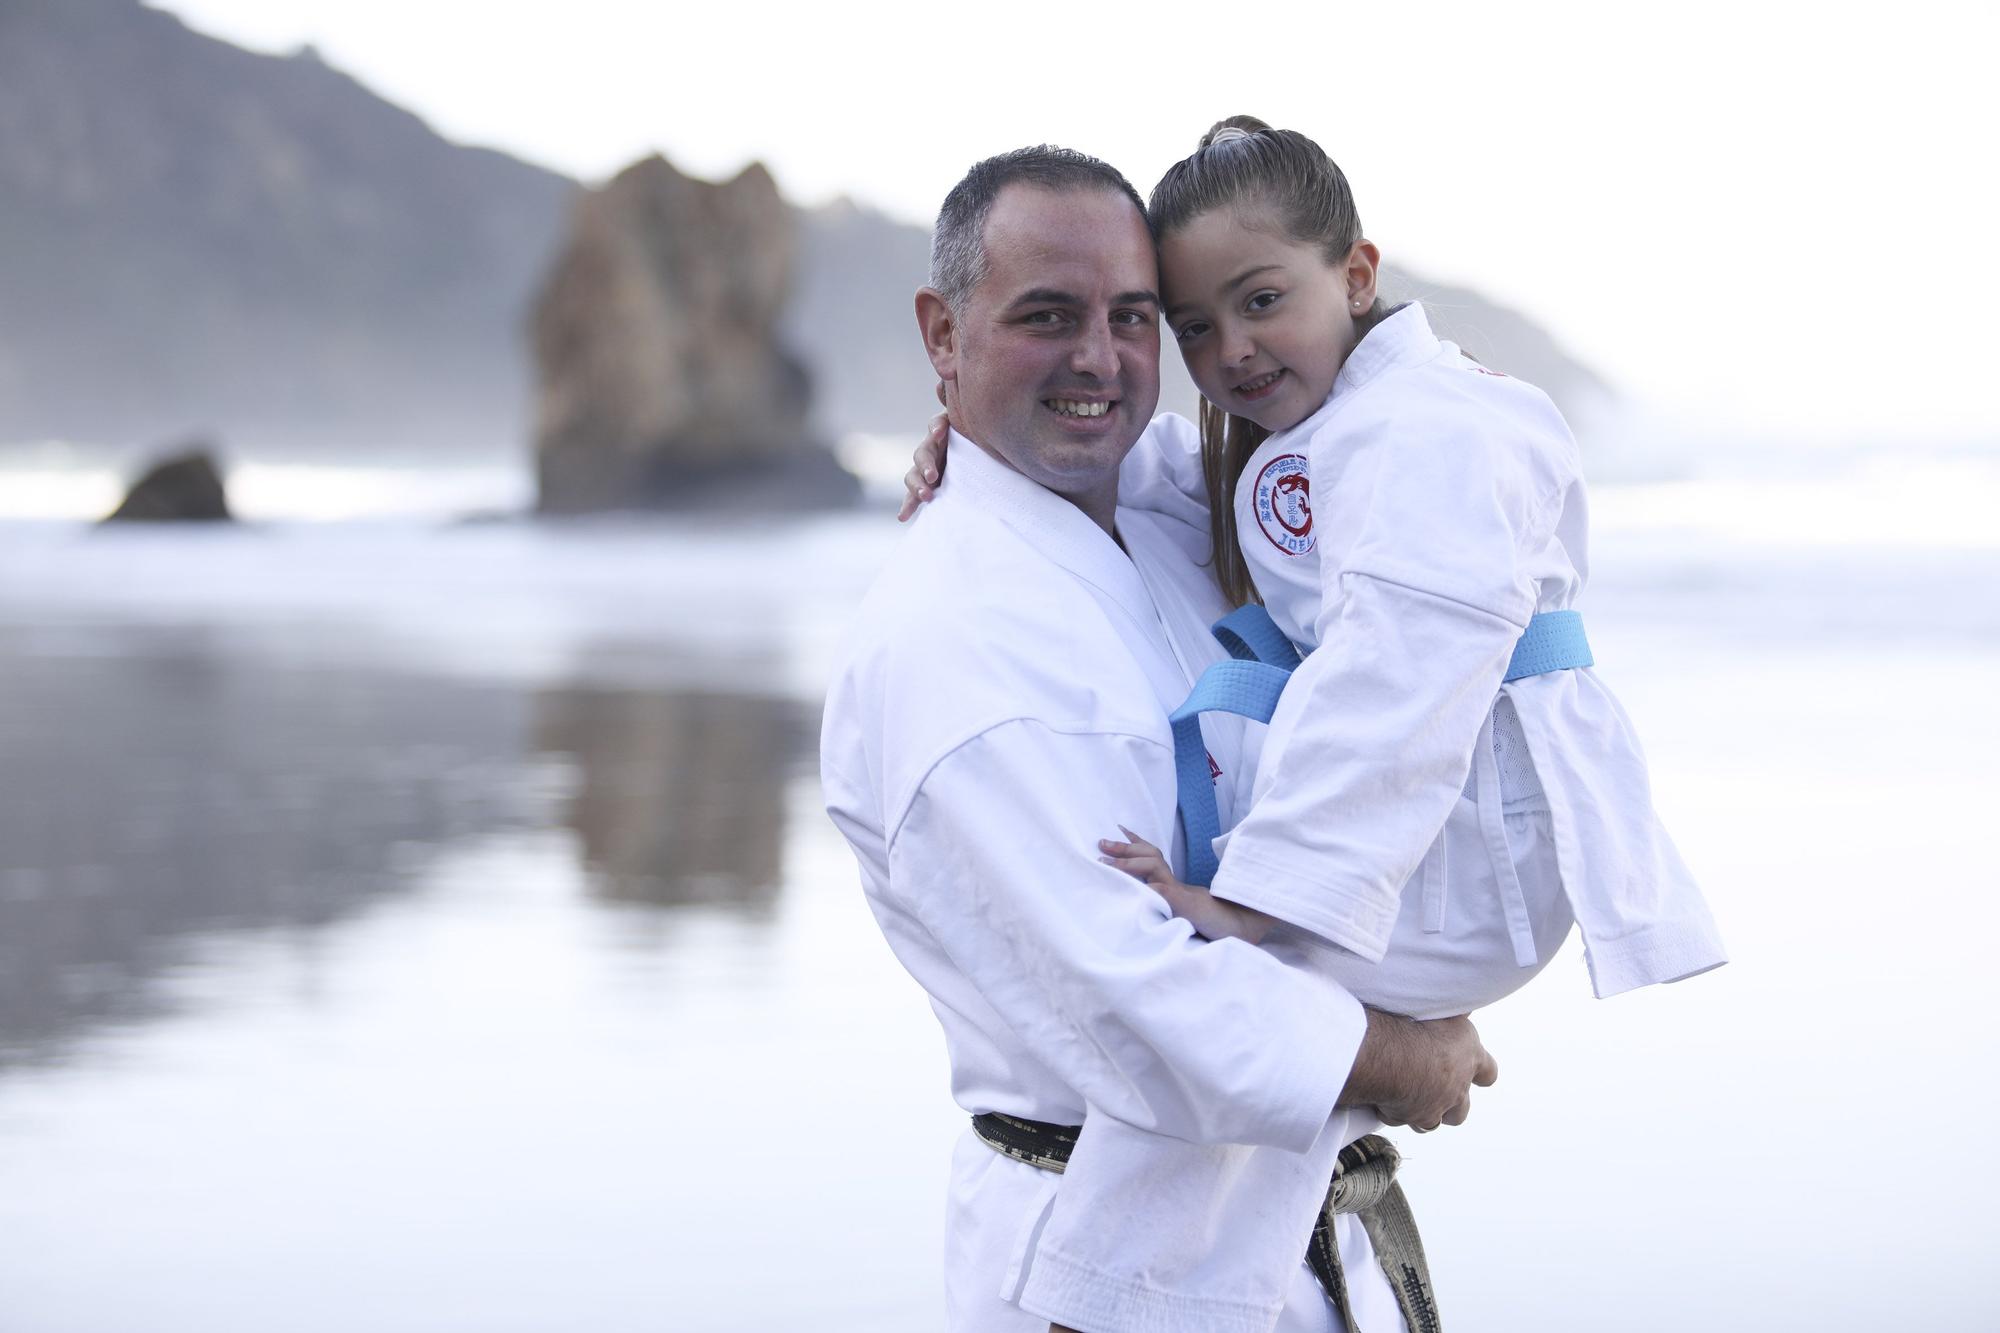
{"type": "Point", "coordinates": [1419, 615]}
{"type": "Point", "coordinates": [1162, 473]}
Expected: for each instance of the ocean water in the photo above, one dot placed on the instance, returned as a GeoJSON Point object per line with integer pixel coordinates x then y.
{"type": "Point", "coordinates": [421, 925]}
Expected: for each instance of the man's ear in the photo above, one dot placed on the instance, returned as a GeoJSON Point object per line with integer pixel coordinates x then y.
{"type": "Point", "coordinates": [1364, 268]}
{"type": "Point", "coordinates": [940, 333]}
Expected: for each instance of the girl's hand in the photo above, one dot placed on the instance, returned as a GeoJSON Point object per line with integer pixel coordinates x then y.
{"type": "Point", "coordinates": [1213, 917]}
{"type": "Point", "coordinates": [926, 467]}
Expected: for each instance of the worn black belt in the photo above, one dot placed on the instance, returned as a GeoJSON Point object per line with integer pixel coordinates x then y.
{"type": "Point", "coordinates": [1364, 1183]}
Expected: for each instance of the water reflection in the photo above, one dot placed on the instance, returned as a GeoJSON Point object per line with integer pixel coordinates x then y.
{"type": "Point", "coordinates": [158, 785]}
{"type": "Point", "coordinates": [680, 795]}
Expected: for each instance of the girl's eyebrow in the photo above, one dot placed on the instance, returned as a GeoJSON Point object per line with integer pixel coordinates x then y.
{"type": "Point", "coordinates": [1248, 274]}
{"type": "Point", "coordinates": [1229, 286]}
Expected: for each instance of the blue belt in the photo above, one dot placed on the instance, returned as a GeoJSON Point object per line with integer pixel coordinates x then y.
{"type": "Point", "coordinates": [1263, 659]}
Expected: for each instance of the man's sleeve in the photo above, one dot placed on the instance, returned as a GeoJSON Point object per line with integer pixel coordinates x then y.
{"type": "Point", "coordinates": [1373, 738]}
{"type": "Point", "coordinates": [1207, 1041]}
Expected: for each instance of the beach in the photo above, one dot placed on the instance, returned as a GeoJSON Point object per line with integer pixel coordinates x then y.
{"type": "Point", "coordinates": [416, 924]}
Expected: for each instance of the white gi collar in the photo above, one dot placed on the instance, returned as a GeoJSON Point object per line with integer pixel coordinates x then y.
{"type": "Point", "coordinates": [1050, 523]}
{"type": "Point", "coordinates": [1404, 338]}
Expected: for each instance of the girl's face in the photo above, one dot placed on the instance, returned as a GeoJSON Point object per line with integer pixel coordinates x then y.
{"type": "Point", "coordinates": [1264, 323]}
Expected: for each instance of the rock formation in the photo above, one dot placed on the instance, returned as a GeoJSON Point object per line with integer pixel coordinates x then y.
{"type": "Point", "coordinates": [186, 486]}
{"type": "Point", "coordinates": [193, 232]}
{"type": "Point", "coordinates": [663, 384]}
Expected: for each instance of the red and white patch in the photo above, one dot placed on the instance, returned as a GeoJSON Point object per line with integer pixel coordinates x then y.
{"type": "Point", "coordinates": [1214, 769]}
{"type": "Point", "coordinates": [1282, 502]}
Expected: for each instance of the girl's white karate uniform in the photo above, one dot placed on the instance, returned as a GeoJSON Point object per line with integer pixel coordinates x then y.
{"type": "Point", "coordinates": [1003, 708]}
{"type": "Point", "coordinates": [1446, 509]}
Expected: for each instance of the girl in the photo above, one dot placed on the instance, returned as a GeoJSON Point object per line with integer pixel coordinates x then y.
{"type": "Point", "coordinates": [1414, 523]}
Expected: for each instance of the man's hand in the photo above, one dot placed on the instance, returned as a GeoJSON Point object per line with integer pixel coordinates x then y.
{"type": "Point", "coordinates": [1212, 917]}
{"type": "Point", "coordinates": [926, 466]}
{"type": "Point", "coordinates": [1419, 1074]}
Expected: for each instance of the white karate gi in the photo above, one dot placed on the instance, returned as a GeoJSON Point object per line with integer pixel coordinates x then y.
{"type": "Point", "coordinates": [1003, 708]}
{"type": "Point", "coordinates": [1446, 507]}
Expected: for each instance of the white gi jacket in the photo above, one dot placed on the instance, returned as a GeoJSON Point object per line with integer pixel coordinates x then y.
{"type": "Point", "coordinates": [1403, 535]}
{"type": "Point", "coordinates": [1004, 707]}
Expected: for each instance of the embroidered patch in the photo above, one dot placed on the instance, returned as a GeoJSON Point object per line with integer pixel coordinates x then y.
{"type": "Point", "coordinates": [1282, 500]}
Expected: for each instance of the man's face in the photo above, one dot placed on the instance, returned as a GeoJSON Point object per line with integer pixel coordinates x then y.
{"type": "Point", "coordinates": [1057, 352]}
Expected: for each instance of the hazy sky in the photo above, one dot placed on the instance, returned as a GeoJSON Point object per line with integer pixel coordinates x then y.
{"type": "Point", "coordinates": [1776, 215]}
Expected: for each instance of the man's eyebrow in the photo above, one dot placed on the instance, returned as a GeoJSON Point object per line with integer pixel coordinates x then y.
{"type": "Point", "coordinates": [1045, 296]}
{"type": "Point", "coordinates": [1052, 296]}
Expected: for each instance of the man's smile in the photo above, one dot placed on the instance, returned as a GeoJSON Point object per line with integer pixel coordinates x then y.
{"type": "Point", "coordinates": [1083, 408]}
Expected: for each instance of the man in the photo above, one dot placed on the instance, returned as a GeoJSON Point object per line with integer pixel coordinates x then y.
{"type": "Point", "coordinates": [1004, 706]}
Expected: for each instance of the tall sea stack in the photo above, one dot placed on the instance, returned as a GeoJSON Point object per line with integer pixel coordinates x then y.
{"type": "Point", "coordinates": [662, 381]}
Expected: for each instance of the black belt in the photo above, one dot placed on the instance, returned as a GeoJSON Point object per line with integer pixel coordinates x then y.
{"type": "Point", "coordinates": [1364, 1183]}
{"type": "Point", "coordinates": [1036, 1142]}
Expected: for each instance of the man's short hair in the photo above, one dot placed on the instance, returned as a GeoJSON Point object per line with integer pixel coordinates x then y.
{"type": "Point", "coordinates": [958, 243]}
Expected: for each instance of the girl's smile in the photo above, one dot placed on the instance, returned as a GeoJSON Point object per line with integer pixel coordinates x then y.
{"type": "Point", "coordinates": [1263, 386]}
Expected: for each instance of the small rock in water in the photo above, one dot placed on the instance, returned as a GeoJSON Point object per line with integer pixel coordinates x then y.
{"type": "Point", "coordinates": [184, 487]}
